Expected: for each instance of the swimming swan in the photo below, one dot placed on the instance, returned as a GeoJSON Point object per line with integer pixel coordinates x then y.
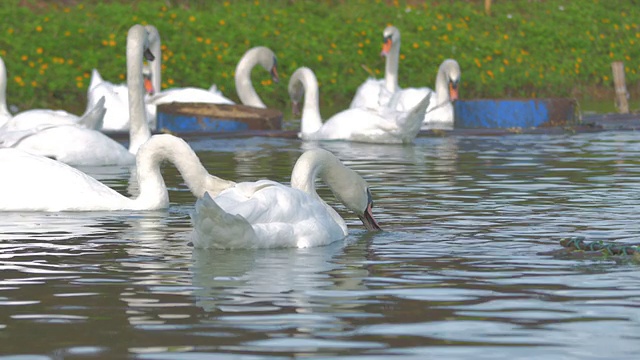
{"type": "Point", "coordinates": [91, 119]}
{"type": "Point", "coordinates": [267, 214]}
{"type": "Point", "coordinates": [36, 183]}
{"type": "Point", "coordinates": [385, 125]}
{"type": "Point", "coordinates": [85, 147]}
{"type": "Point", "coordinates": [380, 93]}
{"type": "Point", "coordinates": [440, 113]}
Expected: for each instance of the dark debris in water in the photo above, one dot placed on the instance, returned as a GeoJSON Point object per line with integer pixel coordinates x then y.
{"type": "Point", "coordinates": [577, 247]}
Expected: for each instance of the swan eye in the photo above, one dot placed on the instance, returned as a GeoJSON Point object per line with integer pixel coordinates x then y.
{"type": "Point", "coordinates": [369, 197]}
{"type": "Point", "coordinates": [148, 55]}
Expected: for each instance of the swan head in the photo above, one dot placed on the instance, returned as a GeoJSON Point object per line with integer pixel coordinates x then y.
{"type": "Point", "coordinates": [296, 90]}
{"type": "Point", "coordinates": [267, 59]}
{"type": "Point", "coordinates": [451, 69]}
{"type": "Point", "coordinates": [390, 38]}
{"type": "Point", "coordinates": [359, 200]}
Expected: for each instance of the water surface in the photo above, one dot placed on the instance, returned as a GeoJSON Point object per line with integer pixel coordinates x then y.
{"type": "Point", "coordinates": [460, 272]}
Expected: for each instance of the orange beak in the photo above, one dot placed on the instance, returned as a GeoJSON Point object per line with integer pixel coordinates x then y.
{"type": "Point", "coordinates": [453, 91]}
{"type": "Point", "coordinates": [148, 86]}
{"type": "Point", "coordinates": [386, 46]}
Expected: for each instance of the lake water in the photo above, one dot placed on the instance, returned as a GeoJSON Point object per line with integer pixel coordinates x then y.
{"type": "Point", "coordinates": [462, 270]}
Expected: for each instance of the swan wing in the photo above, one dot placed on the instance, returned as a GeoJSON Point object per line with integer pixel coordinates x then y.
{"type": "Point", "coordinates": [94, 118]}
{"type": "Point", "coordinates": [367, 95]}
{"type": "Point", "coordinates": [278, 215]}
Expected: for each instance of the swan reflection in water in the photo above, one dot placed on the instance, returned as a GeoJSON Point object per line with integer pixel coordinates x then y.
{"type": "Point", "coordinates": [274, 280]}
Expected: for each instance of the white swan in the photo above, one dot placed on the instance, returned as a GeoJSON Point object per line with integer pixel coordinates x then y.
{"type": "Point", "coordinates": [267, 214]}
{"type": "Point", "coordinates": [365, 125]}
{"type": "Point", "coordinates": [85, 147]}
{"type": "Point", "coordinates": [247, 94]}
{"type": "Point", "coordinates": [380, 93]}
{"type": "Point", "coordinates": [439, 114]}
{"type": "Point", "coordinates": [35, 183]}
{"type": "Point", "coordinates": [376, 93]}
{"type": "Point", "coordinates": [116, 99]}
{"type": "Point", "coordinates": [91, 119]}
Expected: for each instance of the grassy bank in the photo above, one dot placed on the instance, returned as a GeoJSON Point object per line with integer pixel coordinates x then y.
{"type": "Point", "coordinates": [525, 48]}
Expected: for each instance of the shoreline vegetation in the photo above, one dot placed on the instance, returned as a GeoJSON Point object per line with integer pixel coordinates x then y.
{"type": "Point", "coordinates": [524, 48]}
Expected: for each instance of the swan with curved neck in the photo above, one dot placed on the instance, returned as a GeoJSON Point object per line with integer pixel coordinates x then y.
{"type": "Point", "coordinates": [365, 125]}
{"type": "Point", "coordinates": [267, 214]}
{"type": "Point", "coordinates": [440, 114]}
{"type": "Point", "coordinates": [22, 187]}
{"type": "Point", "coordinates": [80, 146]}
{"type": "Point", "coordinates": [247, 94]}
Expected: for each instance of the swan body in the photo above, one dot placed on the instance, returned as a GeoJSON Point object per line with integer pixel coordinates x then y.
{"type": "Point", "coordinates": [36, 183]}
{"type": "Point", "coordinates": [91, 119]}
{"type": "Point", "coordinates": [75, 145]}
{"type": "Point", "coordinates": [385, 125]}
{"type": "Point", "coordinates": [247, 94]}
{"type": "Point", "coordinates": [267, 214]}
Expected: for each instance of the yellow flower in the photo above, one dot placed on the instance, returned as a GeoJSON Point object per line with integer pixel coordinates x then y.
{"type": "Point", "coordinates": [70, 61]}
{"type": "Point", "coordinates": [478, 64]}
{"type": "Point", "coordinates": [506, 37]}
{"type": "Point", "coordinates": [170, 81]}
{"type": "Point", "coordinates": [192, 18]}
{"type": "Point", "coordinates": [505, 61]}
{"type": "Point", "coordinates": [24, 57]}
{"type": "Point", "coordinates": [10, 31]}
{"type": "Point", "coordinates": [39, 28]}
{"type": "Point", "coordinates": [302, 21]}
{"type": "Point", "coordinates": [112, 43]}
{"type": "Point", "coordinates": [17, 79]}
{"type": "Point", "coordinates": [416, 45]}
{"type": "Point", "coordinates": [402, 57]}
{"type": "Point", "coordinates": [67, 33]}
{"type": "Point", "coordinates": [449, 27]}
{"type": "Point", "coordinates": [105, 42]}
{"type": "Point", "coordinates": [320, 57]}
{"type": "Point", "coordinates": [359, 51]}
{"type": "Point", "coordinates": [207, 41]}
{"type": "Point", "coordinates": [80, 84]}
{"type": "Point", "coordinates": [199, 39]}
{"type": "Point", "coordinates": [221, 22]}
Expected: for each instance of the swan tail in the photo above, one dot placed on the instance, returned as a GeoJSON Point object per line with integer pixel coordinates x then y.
{"type": "Point", "coordinates": [96, 79]}
{"type": "Point", "coordinates": [416, 114]}
{"type": "Point", "coordinates": [215, 228]}
{"type": "Point", "coordinates": [94, 118]}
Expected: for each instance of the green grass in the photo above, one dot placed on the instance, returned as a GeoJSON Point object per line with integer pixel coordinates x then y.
{"type": "Point", "coordinates": [545, 48]}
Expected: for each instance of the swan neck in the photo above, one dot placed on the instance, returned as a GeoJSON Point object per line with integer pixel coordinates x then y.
{"type": "Point", "coordinates": [4, 110]}
{"type": "Point", "coordinates": [391, 67]}
{"type": "Point", "coordinates": [167, 147]}
{"type": "Point", "coordinates": [311, 120]}
{"type": "Point", "coordinates": [139, 131]}
{"type": "Point", "coordinates": [244, 86]}
{"type": "Point", "coordinates": [317, 164]}
{"type": "Point", "coordinates": [442, 87]}
{"type": "Point", "coordinates": [155, 46]}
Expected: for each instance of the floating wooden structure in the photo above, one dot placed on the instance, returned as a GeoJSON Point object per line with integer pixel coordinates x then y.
{"type": "Point", "coordinates": [181, 118]}
{"type": "Point", "coordinates": [514, 113]}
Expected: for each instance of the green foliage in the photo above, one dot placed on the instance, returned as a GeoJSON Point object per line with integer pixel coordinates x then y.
{"type": "Point", "coordinates": [524, 49]}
